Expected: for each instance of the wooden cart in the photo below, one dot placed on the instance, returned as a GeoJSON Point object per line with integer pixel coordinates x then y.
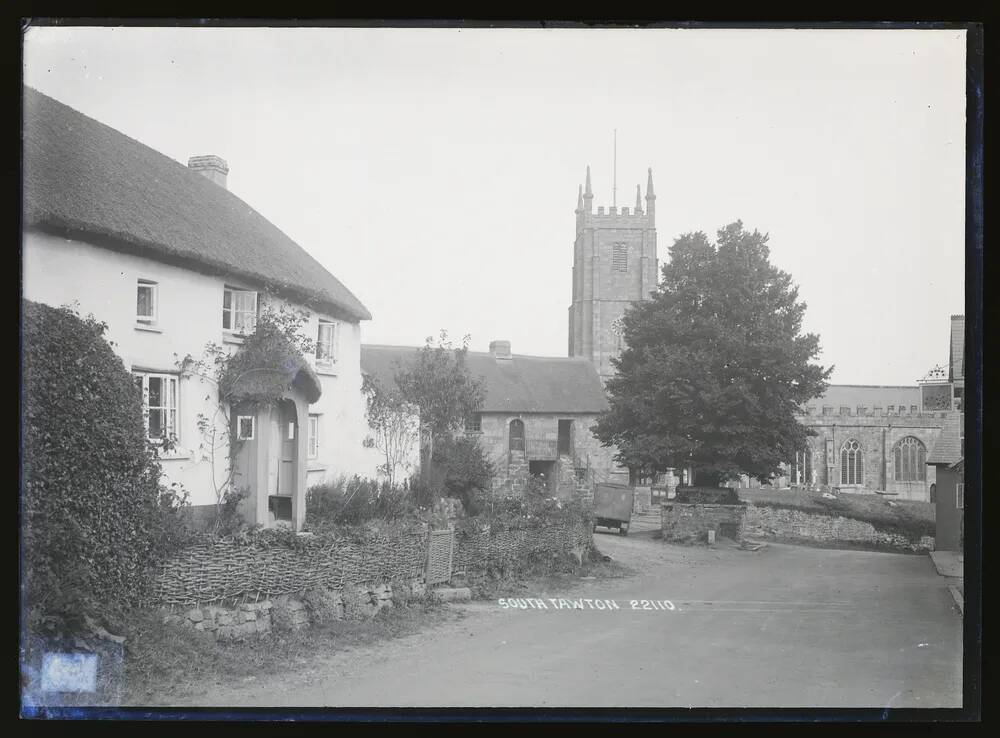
{"type": "Point", "coordinates": [613, 507]}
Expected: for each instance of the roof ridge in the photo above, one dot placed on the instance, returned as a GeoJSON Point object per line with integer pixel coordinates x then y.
{"type": "Point", "coordinates": [52, 125]}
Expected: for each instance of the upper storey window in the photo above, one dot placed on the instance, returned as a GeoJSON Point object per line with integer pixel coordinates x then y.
{"type": "Point", "coordinates": [239, 311]}
{"type": "Point", "coordinates": [145, 302]}
{"type": "Point", "coordinates": [326, 342]}
{"type": "Point", "coordinates": [619, 257]}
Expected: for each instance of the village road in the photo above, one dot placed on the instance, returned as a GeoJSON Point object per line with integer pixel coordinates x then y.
{"type": "Point", "coordinates": [784, 626]}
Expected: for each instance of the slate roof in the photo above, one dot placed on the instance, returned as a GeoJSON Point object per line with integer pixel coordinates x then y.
{"type": "Point", "coordinates": [524, 384]}
{"type": "Point", "coordinates": [852, 395]}
{"type": "Point", "coordinates": [85, 180]}
{"type": "Point", "coordinates": [956, 352]}
{"type": "Point", "coordinates": [948, 447]}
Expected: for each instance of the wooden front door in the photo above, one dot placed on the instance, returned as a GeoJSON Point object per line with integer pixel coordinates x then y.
{"type": "Point", "coordinates": [288, 447]}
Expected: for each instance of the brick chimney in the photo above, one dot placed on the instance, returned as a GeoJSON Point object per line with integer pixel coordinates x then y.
{"type": "Point", "coordinates": [500, 350]}
{"type": "Point", "coordinates": [211, 166]}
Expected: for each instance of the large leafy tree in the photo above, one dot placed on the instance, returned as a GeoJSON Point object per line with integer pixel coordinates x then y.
{"type": "Point", "coordinates": [438, 381]}
{"type": "Point", "coordinates": [715, 367]}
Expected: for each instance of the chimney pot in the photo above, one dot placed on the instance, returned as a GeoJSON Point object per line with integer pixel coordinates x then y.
{"type": "Point", "coordinates": [210, 166]}
{"type": "Point", "coordinates": [500, 349]}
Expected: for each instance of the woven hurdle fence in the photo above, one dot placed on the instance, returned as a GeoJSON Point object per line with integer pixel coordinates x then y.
{"type": "Point", "coordinates": [225, 571]}
{"type": "Point", "coordinates": [480, 550]}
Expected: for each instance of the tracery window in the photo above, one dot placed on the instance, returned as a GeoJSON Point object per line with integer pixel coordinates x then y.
{"type": "Point", "coordinates": [908, 456]}
{"type": "Point", "coordinates": [852, 463]}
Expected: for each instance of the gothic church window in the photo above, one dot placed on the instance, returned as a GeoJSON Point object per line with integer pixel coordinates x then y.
{"type": "Point", "coordinates": [908, 456]}
{"type": "Point", "coordinates": [852, 463]}
{"type": "Point", "coordinates": [619, 257]}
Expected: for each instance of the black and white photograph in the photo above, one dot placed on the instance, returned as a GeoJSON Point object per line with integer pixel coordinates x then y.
{"type": "Point", "coordinates": [610, 370]}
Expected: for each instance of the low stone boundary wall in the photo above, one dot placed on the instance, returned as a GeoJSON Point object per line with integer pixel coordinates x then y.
{"type": "Point", "coordinates": [236, 591]}
{"type": "Point", "coordinates": [684, 522]}
{"type": "Point", "coordinates": [774, 522]}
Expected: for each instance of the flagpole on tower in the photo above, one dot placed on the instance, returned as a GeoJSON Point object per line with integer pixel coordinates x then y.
{"type": "Point", "coordinates": [614, 175]}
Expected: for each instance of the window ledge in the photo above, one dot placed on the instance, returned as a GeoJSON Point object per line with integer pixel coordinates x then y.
{"type": "Point", "coordinates": [234, 338]}
{"type": "Point", "coordinates": [175, 456]}
{"type": "Point", "coordinates": [315, 466]}
{"type": "Point", "coordinates": [148, 327]}
{"type": "Point", "coordinates": [327, 369]}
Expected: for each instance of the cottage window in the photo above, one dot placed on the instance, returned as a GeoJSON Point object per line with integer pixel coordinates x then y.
{"type": "Point", "coordinates": [862, 409]}
{"type": "Point", "coordinates": [245, 427]}
{"type": "Point", "coordinates": [960, 496]}
{"type": "Point", "coordinates": [239, 311]}
{"type": "Point", "coordinates": [159, 405]}
{"type": "Point", "coordinates": [852, 463]}
{"type": "Point", "coordinates": [845, 410]}
{"type": "Point", "coordinates": [146, 301]}
{"type": "Point", "coordinates": [909, 455]}
{"type": "Point", "coordinates": [619, 257]}
{"type": "Point", "coordinates": [474, 423]}
{"type": "Point", "coordinates": [326, 342]}
{"type": "Point", "coordinates": [516, 435]}
{"type": "Point", "coordinates": [313, 437]}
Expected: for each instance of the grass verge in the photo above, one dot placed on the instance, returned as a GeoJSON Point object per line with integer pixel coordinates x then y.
{"type": "Point", "coordinates": [163, 664]}
{"type": "Point", "coordinates": [910, 518]}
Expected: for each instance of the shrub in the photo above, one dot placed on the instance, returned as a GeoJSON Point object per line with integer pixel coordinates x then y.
{"type": "Point", "coordinates": [357, 500]}
{"type": "Point", "coordinates": [94, 518]}
{"type": "Point", "coordinates": [461, 469]}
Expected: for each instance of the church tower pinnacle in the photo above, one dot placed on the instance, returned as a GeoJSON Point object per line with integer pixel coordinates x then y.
{"type": "Point", "coordinates": [614, 265]}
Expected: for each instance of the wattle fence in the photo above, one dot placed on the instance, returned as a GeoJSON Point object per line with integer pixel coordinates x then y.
{"type": "Point", "coordinates": [222, 571]}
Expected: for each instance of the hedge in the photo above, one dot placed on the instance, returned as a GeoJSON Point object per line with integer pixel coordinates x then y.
{"type": "Point", "coordinates": [93, 518]}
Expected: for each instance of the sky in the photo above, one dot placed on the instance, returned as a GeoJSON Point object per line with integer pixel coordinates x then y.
{"type": "Point", "coordinates": [435, 171]}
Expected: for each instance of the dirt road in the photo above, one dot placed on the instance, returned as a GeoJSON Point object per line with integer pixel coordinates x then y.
{"type": "Point", "coordinates": [784, 626]}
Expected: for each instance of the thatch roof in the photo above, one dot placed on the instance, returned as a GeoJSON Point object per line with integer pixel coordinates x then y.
{"type": "Point", "coordinates": [523, 384]}
{"type": "Point", "coordinates": [85, 180]}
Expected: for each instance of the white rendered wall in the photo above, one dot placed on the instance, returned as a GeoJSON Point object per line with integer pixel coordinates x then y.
{"type": "Point", "coordinates": [101, 282]}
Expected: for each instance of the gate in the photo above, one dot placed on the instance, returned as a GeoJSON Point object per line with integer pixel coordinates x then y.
{"type": "Point", "coordinates": [440, 554]}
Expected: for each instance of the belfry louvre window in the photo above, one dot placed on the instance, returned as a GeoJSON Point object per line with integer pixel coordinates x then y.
{"type": "Point", "coordinates": [239, 311]}
{"type": "Point", "coordinates": [909, 456]}
{"type": "Point", "coordinates": [619, 257]}
{"type": "Point", "coordinates": [852, 463]}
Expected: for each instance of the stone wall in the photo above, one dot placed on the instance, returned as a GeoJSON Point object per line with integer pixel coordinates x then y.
{"type": "Point", "coordinates": [683, 522]}
{"type": "Point", "coordinates": [541, 431]}
{"type": "Point", "coordinates": [779, 523]}
{"type": "Point", "coordinates": [250, 619]}
{"type": "Point", "coordinates": [290, 612]}
{"type": "Point", "coordinates": [877, 433]}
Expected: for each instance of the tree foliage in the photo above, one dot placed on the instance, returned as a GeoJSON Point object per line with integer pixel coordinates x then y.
{"type": "Point", "coordinates": [395, 426]}
{"type": "Point", "coordinates": [437, 380]}
{"type": "Point", "coordinates": [95, 516]}
{"type": "Point", "coordinates": [715, 367]}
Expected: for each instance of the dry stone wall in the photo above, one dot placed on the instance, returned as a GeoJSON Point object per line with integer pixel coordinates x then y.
{"type": "Point", "coordinates": [779, 523]}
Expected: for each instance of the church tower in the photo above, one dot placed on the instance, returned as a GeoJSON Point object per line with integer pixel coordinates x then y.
{"type": "Point", "coordinates": [614, 265]}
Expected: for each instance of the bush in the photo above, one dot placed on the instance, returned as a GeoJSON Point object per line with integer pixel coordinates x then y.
{"type": "Point", "coordinates": [357, 500]}
{"type": "Point", "coordinates": [94, 518]}
{"type": "Point", "coordinates": [461, 469]}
